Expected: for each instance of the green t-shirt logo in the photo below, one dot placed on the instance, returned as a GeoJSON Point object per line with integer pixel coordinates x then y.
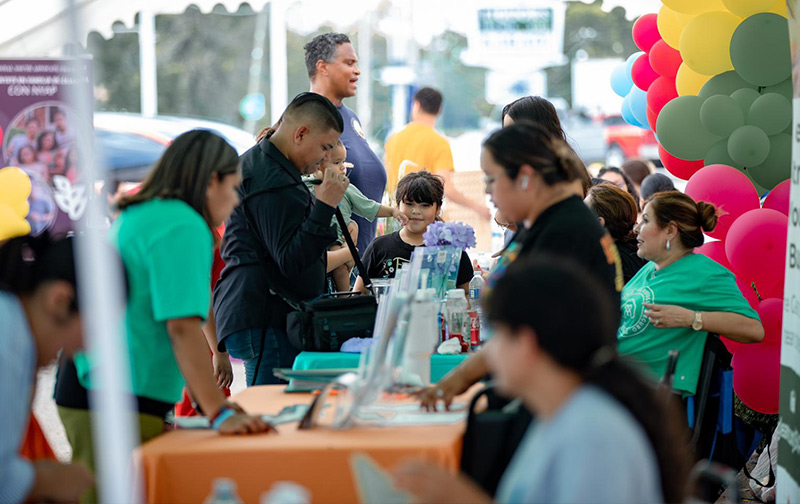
{"type": "Point", "coordinates": [634, 320]}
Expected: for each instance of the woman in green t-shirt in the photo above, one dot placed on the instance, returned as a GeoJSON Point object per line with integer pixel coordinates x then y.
{"type": "Point", "coordinates": [164, 236]}
{"type": "Point", "coordinates": [679, 297]}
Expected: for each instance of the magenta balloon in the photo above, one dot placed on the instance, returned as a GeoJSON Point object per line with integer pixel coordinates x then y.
{"type": "Point", "coordinates": [778, 198]}
{"type": "Point", "coordinates": [715, 250]}
{"type": "Point", "coordinates": [756, 245]}
{"type": "Point", "coordinates": [772, 290]}
{"type": "Point", "coordinates": [642, 73]}
{"type": "Point", "coordinates": [747, 291]}
{"type": "Point", "coordinates": [731, 345]}
{"type": "Point", "coordinates": [645, 32]}
{"type": "Point", "coordinates": [757, 376]}
{"type": "Point", "coordinates": [727, 188]}
{"type": "Point", "coordinates": [770, 311]}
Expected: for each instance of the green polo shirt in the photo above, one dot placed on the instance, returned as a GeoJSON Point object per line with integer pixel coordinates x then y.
{"type": "Point", "coordinates": [694, 282]}
{"type": "Point", "coordinates": [167, 249]}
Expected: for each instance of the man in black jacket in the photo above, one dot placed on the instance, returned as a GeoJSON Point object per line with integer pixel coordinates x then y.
{"type": "Point", "coordinates": [276, 241]}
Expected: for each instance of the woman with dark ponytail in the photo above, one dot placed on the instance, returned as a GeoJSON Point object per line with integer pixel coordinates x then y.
{"type": "Point", "coordinates": [602, 433]}
{"type": "Point", "coordinates": [617, 212]}
{"type": "Point", "coordinates": [678, 297]}
{"type": "Point", "coordinates": [40, 315]}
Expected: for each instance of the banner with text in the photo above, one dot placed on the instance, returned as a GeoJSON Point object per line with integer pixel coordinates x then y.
{"type": "Point", "coordinates": [788, 474]}
{"type": "Point", "coordinates": [39, 133]}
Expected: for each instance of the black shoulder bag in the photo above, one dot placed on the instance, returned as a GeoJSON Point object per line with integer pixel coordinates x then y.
{"type": "Point", "coordinates": [324, 323]}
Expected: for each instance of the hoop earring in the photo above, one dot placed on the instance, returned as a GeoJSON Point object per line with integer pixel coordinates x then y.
{"type": "Point", "coordinates": [668, 246]}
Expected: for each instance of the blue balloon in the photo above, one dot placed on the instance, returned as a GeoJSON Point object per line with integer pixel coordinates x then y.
{"type": "Point", "coordinates": [621, 81]}
{"type": "Point", "coordinates": [627, 113]}
{"type": "Point", "coordinates": [638, 104]}
{"type": "Point", "coordinates": [629, 62]}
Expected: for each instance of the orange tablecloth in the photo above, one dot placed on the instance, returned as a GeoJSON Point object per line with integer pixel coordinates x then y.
{"type": "Point", "coordinates": [179, 466]}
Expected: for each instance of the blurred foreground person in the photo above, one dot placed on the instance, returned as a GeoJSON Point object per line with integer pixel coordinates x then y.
{"type": "Point", "coordinates": [601, 433]}
{"type": "Point", "coordinates": [40, 314]}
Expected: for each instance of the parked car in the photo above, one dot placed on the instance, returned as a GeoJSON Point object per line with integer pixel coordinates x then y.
{"type": "Point", "coordinates": [624, 142]}
{"type": "Point", "coordinates": [130, 144]}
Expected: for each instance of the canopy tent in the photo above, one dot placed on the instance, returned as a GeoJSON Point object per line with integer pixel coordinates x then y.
{"type": "Point", "coordinates": [42, 28]}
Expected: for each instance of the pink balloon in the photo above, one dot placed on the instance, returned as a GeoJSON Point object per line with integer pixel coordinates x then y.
{"type": "Point", "coordinates": [661, 92]}
{"type": "Point", "coordinates": [778, 198]}
{"type": "Point", "coordinates": [727, 188]}
{"type": "Point", "coordinates": [645, 32]}
{"type": "Point", "coordinates": [679, 167]}
{"type": "Point", "coordinates": [716, 251]}
{"type": "Point", "coordinates": [746, 288]}
{"type": "Point", "coordinates": [642, 73]}
{"type": "Point", "coordinates": [731, 345]}
{"type": "Point", "coordinates": [756, 245]}
{"type": "Point", "coordinates": [772, 290]}
{"type": "Point", "coordinates": [664, 59]}
{"type": "Point", "coordinates": [757, 376]}
{"type": "Point", "coordinates": [770, 311]}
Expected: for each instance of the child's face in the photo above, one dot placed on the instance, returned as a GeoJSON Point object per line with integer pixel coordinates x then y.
{"type": "Point", "coordinates": [338, 155]}
{"type": "Point", "coordinates": [420, 215]}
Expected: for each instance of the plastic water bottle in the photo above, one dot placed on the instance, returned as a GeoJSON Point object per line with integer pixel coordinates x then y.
{"type": "Point", "coordinates": [458, 325]}
{"type": "Point", "coordinates": [286, 492]}
{"type": "Point", "coordinates": [224, 492]}
{"type": "Point", "coordinates": [475, 289]}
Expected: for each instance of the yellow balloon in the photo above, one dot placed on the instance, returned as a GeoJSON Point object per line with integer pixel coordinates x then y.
{"type": "Point", "coordinates": [11, 224]}
{"type": "Point", "coordinates": [689, 82]}
{"type": "Point", "coordinates": [15, 187]}
{"type": "Point", "coordinates": [706, 42]}
{"type": "Point", "coordinates": [780, 9]}
{"type": "Point", "coordinates": [669, 27]}
{"type": "Point", "coordinates": [746, 8]}
{"type": "Point", "coordinates": [694, 6]}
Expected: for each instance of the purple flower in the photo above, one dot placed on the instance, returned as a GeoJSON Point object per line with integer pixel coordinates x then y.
{"type": "Point", "coordinates": [456, 234]}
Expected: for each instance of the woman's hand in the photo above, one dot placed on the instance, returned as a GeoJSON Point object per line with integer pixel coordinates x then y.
{"type": "Point", "coordinates": [668, 316]}
{"type": "Point", "coordinates": [446, 390]}
{"type": "Point", "coordinates": [429, 483]}
{"type": "Point", "coordinates": [400, 216]}
{"type": "Point", "coordinates": [242, 423]}
{"type": "Point", "coordinates": [223, 372]}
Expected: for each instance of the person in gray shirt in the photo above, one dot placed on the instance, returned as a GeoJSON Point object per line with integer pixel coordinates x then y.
{"type": "Point", "coordinates": [601, 433]}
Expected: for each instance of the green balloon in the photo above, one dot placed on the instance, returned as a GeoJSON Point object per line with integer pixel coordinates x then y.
{"type": "Point", "coordinates": [784, 89]}
{"type": "Point", "coordinates": [680, 130]}
{"type": "Point", "coordinates": [724, 84]}
{"type": "Point", "coordinates": [721, 115]}
{"type": "Point", "coordinates": [778, 165]}
{"type": "Point", "coordinates": [771, 112]}
{"type": "Point", "coordinates": [718, 154]}
{"type": "Point", "coordinates": [745, 98]}
{"type": "Point", "coordinates": [748, 146]}
{"type": "Point", "coordinates": [760, 49]}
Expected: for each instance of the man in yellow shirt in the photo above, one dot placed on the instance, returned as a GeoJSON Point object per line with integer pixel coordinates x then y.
{"type": "Point", "coordinates": [420, 147]}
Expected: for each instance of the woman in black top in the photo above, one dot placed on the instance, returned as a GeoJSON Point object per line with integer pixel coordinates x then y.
{"type": "Point", "coordinates": [530, 176]}
{"type": "Point", "coordinates": [617, 212]}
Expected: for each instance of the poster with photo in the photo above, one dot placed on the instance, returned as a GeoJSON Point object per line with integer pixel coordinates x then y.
{"type": "Point", "coordinates": [41, 134]}
{"type": "Point", "coordinates": [788, 473]}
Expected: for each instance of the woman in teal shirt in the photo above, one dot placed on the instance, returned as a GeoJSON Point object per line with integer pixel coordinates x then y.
{"type": "Point", "coordinates": [165, 240]}
{"type": "Point", "coordinates": [679, 297]}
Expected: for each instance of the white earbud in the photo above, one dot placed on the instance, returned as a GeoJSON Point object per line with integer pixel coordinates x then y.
{"type": "Point", "coordinates": [525, 181]}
